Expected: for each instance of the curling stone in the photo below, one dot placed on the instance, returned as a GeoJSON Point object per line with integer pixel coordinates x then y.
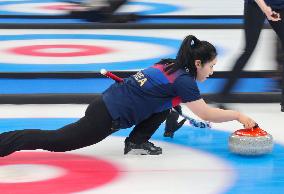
{"type": "Point", "coordinates": [250, 142]}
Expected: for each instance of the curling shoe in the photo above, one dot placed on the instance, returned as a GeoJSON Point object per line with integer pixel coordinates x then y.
{"type": "Point", "coordinates": [147, 148]}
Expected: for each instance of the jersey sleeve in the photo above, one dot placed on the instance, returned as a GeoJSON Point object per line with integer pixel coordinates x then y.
{"type": "Point", "coordinates": [186, 88]}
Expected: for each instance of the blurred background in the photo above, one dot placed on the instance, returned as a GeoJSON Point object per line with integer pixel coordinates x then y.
{"type": "Point", "coordinates": [49, 44]}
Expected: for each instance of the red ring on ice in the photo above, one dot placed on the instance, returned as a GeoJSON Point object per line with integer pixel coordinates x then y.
{"type": "Point", "coordinates": [59, 7]}
{"type": "Point", "coordinates": [83, 173]}
{"type": "Point", "coordinates": [38, 50]}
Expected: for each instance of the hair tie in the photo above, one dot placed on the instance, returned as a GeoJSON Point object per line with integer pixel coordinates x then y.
{"type": "Point", "coordinates": [192, 42]}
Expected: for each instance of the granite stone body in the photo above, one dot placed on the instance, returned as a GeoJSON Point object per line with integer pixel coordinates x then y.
{"type": "Point", "coordinates": [250, 142]}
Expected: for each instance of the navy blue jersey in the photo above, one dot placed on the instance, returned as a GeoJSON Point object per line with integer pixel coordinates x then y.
{"type": "Point", "coordinates": [276, 4]}
{"type": "Point", "coordinates": [147, 92]}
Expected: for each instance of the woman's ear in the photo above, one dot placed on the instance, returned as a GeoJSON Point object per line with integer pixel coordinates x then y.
{"type": "Point", "coordinates": [197, 63]}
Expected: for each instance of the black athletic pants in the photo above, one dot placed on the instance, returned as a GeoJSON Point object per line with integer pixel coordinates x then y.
{"type": "Point", "coordinates": [90, 129]}
{"type": "Point", "coordinates": [253, 23]}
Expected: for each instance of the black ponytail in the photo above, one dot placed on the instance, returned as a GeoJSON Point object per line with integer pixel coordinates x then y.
{"type": "Point", "coordinates": [192, 49]}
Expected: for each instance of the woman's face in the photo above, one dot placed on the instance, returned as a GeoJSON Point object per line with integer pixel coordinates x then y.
{"type": "Point", "coordinates": [204, 70]}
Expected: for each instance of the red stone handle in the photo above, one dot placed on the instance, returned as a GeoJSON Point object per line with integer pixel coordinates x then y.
{"type": "Point", "coordinates": [251, 132]}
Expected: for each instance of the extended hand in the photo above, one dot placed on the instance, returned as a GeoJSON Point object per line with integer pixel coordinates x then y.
{"type": "Point", "coordinates": [246, 121]}
{"type": "Point", "coordinates": [272, 15]}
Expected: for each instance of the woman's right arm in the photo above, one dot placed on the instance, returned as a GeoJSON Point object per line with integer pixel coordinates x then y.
{"type": "Point", "coordinates": [217, 115]}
